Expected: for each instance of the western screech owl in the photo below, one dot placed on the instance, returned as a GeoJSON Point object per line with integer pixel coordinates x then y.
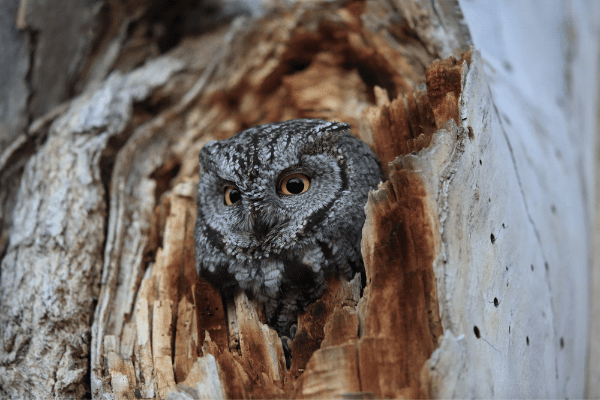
{"type": "Point", "coordinates": [280, 209]}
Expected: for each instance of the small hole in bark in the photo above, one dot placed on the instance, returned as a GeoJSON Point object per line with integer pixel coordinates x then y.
{"type": "Point", "coordinates": [506, 284]}
{"type": "Point", "coordinates": [476, 331]}
{"type": "Point", "coordinates": [489, 199]}
{"type": "Point", "coordinates": [558, 153]}
{"type": "Point", "coordinates": [527, 338]}
{"type": "Point", "coordinates": [562, 343]}
{"type": "Point", "coordinates": [496, 302]}
{"type": "Point", "coordinates": [532, 267]}
{"type": "Point", "coordinates": [297, 66]}
{"type": "Point", "coordinates": [546, 266]}
{"type": "Point", "coordinates": [503, 226]}
{"type": "Point", "coordinates": [507, 268]}
{"type": "Point", "coordinates": [493, 238]}
{"type": "Point", "coordinates": [509, 329]}
{"type": "Point", "coordinates": [480, 163]}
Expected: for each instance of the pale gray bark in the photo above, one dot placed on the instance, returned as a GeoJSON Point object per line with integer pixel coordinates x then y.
{"type": "Point", "coordinates": [53, 262]}
{"type": "Point", "coordinates": [14, 58]}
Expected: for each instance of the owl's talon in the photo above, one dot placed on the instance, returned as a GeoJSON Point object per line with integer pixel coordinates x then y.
{"type": "Point", "coordinates": [293, 330]}
{"type": "Point", "coordinates": [287, 351]}
{"type": "Point", "coordinates": [284, 343]}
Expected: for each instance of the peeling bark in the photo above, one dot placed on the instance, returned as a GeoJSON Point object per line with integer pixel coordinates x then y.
{"type": "Point", "coordinates": [52, 265]}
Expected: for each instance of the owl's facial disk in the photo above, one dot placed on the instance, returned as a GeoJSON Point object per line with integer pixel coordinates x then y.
{"type": "Point", "coordinates": [255, 213]}
{"type": "Point", "coordinates": [266, 195]}
{"type": "Point", "coordinates": [261, 214]}
{"type": "Point", "coordinates": [291, 185]}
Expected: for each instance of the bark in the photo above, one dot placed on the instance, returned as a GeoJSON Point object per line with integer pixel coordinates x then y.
{"type": "Point", "coordinates": [470, 278]}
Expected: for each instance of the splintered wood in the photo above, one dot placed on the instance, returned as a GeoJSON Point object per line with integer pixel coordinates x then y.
{"type": "Point", "coordinates": [362, 339]}
{"type": "Point", "coordinates": [166, 314]}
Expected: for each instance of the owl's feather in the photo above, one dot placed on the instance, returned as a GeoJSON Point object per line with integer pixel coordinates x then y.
{"type": "Point", "coordinates": [281, 248]}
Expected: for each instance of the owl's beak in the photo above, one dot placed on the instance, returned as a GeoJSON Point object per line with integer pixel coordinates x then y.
{"type": "Point", "coordinates": [262, 226]}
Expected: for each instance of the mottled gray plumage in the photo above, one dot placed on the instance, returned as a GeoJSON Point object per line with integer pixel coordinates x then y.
{"type": "Point", "coordinates": [280, 247]}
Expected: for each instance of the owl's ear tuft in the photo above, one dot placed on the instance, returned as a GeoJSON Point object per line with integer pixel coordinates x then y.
{"type": "Point", "coordinates": [204, 158]}
{"type": "Point", "coordinates": [209, 147]}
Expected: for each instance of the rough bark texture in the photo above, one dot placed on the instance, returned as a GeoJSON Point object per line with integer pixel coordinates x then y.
{"type": "Point", "coordinates": [473, 260]}
{"type": "Point", "coordinates": [550, 147]}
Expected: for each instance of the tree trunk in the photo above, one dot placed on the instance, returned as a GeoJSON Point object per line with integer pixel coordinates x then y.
{"type": "Point", "coordinates": [476, 246]}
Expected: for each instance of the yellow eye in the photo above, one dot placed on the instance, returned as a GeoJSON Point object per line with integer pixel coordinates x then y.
{"type": "Point", "coordinates": [295, 184]}
{"type": "Point", "coordinates": [232, 195]}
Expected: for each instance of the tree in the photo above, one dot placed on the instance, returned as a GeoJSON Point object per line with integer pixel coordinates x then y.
{"type": "Point", "coordinates": [476, 246]}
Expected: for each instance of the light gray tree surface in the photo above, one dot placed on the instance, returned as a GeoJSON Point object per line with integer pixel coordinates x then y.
{"type": "Point", "coordinates": [543, 76]}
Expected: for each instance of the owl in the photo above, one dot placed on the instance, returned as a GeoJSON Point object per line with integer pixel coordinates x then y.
{"type": "Point", "coordinates": [280, 210]}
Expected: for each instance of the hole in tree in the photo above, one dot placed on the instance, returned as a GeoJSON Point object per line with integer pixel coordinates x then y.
{"type": "Point", "coordinates": [509, 329]}
{"type": "Point", "coordinates": [297, 66]}
{"type": "Point", "coordinates": [480, 163]}
{"type": "Point", "coordinates": [164, 175]}
{"type": "Point", "coordinates": [532, 267]}
{"type": "Point", "coordinates": [546, 266]}
{"type": "Point", "coordinates": [493, 238]}
{"type": "Point", "coordinates": [496, 302]}
{"type": "Point", "coordinates": [476, 331]}
{"type": "Point", "coordinates": [562, 343]}
{"type": "Point", "coordinates": [527, 339]}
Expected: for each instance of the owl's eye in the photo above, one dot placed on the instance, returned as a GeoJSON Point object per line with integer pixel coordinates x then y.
{"type": "Point", "coordinates": [294, 184]}
{"type": "Point", "coordinates": [232, 195]}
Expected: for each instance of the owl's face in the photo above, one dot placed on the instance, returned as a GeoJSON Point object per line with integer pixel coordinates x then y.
{"type": "Point", "coordinates": [281, 205]}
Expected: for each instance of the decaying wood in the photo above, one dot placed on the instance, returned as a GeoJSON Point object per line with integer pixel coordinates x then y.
{"type": "Point", "coordinates": [325, 62]}
{"type": "Point", "coordinates": [106, 209]}
{"type": "Point", "coordinates": [151, 316]}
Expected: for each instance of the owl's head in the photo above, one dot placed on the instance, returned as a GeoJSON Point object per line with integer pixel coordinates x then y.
{"type": "Point", "coordinates": [282, 202]}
